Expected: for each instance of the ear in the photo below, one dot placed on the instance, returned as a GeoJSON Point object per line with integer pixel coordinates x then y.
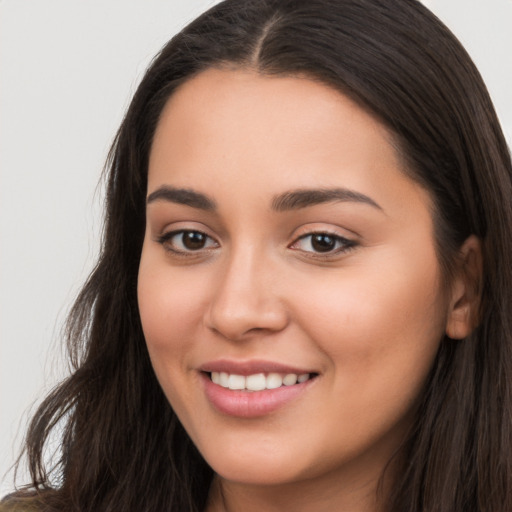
{"type": "Point", "coordinates": [466, 290]}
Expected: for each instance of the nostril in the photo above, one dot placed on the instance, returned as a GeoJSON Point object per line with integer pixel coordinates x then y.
{"type": "Point", "coordinates": [243, 306]}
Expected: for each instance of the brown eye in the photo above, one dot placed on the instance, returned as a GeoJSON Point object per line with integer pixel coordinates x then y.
{"type": "Point", "coordinates": [187, 241]}
{"type": "Point", "coordinates": [193, 240]}
{"type": "Point", "coordinates": [323, 242]}
{"type": "Point", "coordinates": [326, 243]}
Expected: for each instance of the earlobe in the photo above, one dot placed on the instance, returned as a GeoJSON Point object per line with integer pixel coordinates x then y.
{"type": "Point", "coordinates": [464, 312]}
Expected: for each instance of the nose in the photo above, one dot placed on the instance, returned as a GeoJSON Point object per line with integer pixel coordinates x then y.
{"type": "Point", "coordinates": [245, 300]}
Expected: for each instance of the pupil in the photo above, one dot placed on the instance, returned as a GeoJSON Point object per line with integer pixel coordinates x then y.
{"type": "Point", "coordinates": [194, 240]}
{"type": "Point", "coordinates": [323, 243]}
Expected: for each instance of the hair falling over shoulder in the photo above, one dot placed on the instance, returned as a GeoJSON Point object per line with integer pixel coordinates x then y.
{"type": "Point", "coordinates": [121, 447]}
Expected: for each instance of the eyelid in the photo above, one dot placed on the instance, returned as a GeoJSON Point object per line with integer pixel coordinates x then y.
{"type": "Point", "coordinates": [346, 243]}
{"type": "Point", "coordinates": [166, 237]}
{"type": "Point", "coordinates": [161, 229]}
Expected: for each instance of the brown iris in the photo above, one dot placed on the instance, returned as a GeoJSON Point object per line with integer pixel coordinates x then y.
{"type": "Point", "coordinates": [322, 242]}
{"type": "Point", "coordinates": [193, 240]}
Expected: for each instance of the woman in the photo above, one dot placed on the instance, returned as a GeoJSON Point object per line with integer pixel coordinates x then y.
{"type": "Point", "coordinates": [303, 297]}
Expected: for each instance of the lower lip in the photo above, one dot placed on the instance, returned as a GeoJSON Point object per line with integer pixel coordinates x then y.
{"type": "Point", "coordinates": [251, 404]}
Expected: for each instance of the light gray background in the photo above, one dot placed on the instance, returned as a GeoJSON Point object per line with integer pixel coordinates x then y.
{"type": "Point", "coordinates": [67, 71]}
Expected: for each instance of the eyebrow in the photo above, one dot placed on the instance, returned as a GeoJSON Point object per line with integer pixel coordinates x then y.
{"type": "Point", "coordinates": [184, 196]}
{"type": "Point", "coordinates": [291, 200]}
{"type": "Point", "coordinates": [302, 198]}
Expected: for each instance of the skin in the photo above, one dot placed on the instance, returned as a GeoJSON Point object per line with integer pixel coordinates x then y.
{"type": "Point", "coordinates": [367, 317]}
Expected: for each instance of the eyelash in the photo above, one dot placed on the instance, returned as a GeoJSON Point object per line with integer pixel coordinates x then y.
{"type": "Point", "coordinates": [166, 239]}
{"type": "Point", "coordinates": [341, 244]}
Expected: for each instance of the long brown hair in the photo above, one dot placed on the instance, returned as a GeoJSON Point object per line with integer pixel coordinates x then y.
{"type": "Point", "coordinates": [121, 445]}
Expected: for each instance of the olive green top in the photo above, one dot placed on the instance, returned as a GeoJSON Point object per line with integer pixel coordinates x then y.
{"type": "Point", "coordinates": [17, 505]}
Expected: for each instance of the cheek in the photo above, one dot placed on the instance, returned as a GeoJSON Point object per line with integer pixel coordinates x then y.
{"type": "Point", "coordinates": [169, 305]}
{"type": "Point", "coordinates": [380, 330]}
{"type": "Point", "coordinates": [394, 300]}
{"type": "Point", "coordinates": [170, 311]}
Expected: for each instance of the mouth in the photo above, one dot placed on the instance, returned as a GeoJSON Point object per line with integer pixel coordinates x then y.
{"type": "Point", "coordinates": [254, 389]}
{"type": "Point", "coordinates": [258, 381]}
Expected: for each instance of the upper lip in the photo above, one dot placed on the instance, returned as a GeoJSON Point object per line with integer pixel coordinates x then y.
{"type": "Point", "coordinates": [251, 367]}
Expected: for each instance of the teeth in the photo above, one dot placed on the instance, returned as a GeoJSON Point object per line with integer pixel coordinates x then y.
{"type": "Point", "coordinates": [236, 382]}
{"type": "Point", "coordinates": [274, 380]}
{"type": "Point", "coordinates": [223, 379]}
{"type": "Point", "coordinates": [290, 379]}
{"type": "Point", "coordinates": [257, 381]}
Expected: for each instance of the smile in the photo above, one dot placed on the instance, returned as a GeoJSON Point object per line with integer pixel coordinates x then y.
{"type": "Point", "coordinates": [257, 381]}
{"type": "Point", "coordinates": [254, 389]}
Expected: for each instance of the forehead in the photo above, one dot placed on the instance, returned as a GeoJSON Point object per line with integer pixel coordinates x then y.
{"type": "Point", "coordinates": [243, 100]}
{"type": "Point", "coordinates": [227, 128]}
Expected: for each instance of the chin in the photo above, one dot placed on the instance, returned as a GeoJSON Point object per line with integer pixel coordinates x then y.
{"type": "Point", "coordinates": [257, 466]}
{"type": "Point", "coordinates": [256, 474]}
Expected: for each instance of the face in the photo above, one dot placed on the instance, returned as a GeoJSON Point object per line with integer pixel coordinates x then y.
{"type": "Point", "coordinates": [289, 288]}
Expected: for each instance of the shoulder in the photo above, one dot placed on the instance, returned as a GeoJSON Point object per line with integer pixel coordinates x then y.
{"type": "Point", "coordinates": [13, 504]}
{"type": "Point", "coordinates": [18, 507]}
